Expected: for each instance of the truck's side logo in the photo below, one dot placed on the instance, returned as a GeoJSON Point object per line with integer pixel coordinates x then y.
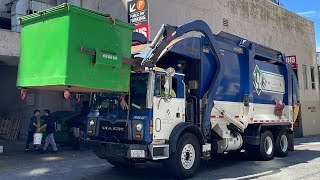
{"type": "Point", "coordinates": [264, 81]}
{"type": "Point", "coordinates": [167, 114]}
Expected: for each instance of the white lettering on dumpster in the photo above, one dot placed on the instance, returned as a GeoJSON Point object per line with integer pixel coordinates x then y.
{"type": "Point", "coordinates": [110, 56]}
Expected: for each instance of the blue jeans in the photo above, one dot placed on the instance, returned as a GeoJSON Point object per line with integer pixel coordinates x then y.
{"type": "Point", "coordinates": [50, 140]}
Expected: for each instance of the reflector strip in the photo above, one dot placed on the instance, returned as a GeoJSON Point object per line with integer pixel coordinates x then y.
{"type": "Point", "coordinates": [255, 120]}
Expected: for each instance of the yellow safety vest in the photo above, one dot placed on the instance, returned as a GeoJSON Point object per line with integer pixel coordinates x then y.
{"type": "Point", "coordinates": [173, 93]}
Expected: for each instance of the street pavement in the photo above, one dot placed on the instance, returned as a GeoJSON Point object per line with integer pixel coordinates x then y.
{"type": "Point", "coordinates": [303, 163]}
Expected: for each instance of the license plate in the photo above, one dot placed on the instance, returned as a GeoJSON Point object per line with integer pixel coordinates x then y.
{"type": "Point", "coordinates": [138, 154]}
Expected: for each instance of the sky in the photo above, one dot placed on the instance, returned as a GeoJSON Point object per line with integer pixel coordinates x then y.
{"type": "Point", "coordinates": [309, 9]}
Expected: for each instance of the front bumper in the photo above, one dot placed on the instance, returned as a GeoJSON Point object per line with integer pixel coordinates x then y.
{"type": "Point", "coordinates": [111, 150]}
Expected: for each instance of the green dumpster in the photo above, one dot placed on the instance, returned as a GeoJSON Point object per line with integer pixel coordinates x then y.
{"type": "Point", "coordinates": [65, 120]}
{"type": "Point", "coordinates": [68, 47]}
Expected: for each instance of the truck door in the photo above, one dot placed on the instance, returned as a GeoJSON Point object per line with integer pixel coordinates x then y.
{"type": "Point", "coordinates": [167, 111]}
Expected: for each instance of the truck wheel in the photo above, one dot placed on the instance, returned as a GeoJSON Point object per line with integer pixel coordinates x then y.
{"type": "Point", "coordinates": [281, 145]}
{"type": "Point", "coordinates": [265, 150]}
{"type": "Point", "coordinates": [186, 160]}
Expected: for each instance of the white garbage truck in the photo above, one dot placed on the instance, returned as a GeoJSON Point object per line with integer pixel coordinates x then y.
{"type": "Point", "coordinates": [195, 97]}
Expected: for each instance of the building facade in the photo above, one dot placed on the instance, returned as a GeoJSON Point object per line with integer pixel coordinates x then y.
{"type": "Point", "coordinates": [260, 21]}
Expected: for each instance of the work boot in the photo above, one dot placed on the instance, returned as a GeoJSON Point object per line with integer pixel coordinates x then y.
{"type": "Point", "coordinates": [26, 150]}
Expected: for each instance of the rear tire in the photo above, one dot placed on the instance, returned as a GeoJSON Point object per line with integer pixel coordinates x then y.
{"type": "Point", "coordinates": [186, 160]}
{"type": "Point", "coordinates": [282, 144]}
{"type": "Point", "coordinates": [265, 150]}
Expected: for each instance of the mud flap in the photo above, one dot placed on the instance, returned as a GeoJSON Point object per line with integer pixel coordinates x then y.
{"type": "Point", "coordinates": [291, 141]}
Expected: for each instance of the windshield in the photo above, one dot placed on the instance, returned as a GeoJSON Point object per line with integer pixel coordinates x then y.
{"type": "Point", "coordinates": [115, 105]}
{"type": "Point", "coordinates": [111, 105]}
{"type": "Point", "coordinates": [138, 92]}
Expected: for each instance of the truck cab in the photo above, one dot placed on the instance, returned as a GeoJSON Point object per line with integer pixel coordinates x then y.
{"type": "Point", "coordinates": [142, 120]}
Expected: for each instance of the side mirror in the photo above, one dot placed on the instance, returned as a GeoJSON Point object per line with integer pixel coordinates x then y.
{"type": "Point", "coordinates": [170, 72]}
{"type": "Point", "coordinates": [167, 87]}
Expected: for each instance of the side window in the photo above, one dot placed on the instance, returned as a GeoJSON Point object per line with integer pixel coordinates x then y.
{"type": "Point", "coordinates": [158, 85]}
{"type": "Point", "coordinates": [178, 86]}
{"type": "Point", "coordinates": [163, 82]}
{"type": "Point", "coordinates": [313, 81]}
{"type": "Point", "coordinates": [305, 78]}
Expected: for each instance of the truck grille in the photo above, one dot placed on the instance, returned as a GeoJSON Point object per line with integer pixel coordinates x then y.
{"type": "Point", "coordinates": [113, 131]}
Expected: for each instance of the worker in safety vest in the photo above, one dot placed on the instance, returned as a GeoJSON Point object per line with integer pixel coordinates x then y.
{"type": "Point", "coordinates": [163, 83]}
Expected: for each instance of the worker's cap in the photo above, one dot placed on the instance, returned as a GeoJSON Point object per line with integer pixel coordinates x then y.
{"type": "Point", "coordinates": [47, 111]}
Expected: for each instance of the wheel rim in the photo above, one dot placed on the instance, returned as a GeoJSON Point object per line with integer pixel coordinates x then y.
{"type": "Point", "coordinates": [284, 143]}
{"type": "Point", "coordinates": [268, 145]}
{"type": "Point", "coordinates": [188, 156]}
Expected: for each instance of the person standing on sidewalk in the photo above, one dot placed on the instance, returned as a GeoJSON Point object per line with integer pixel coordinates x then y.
{"type": "Point", "coordinates": [32, 129]}
{"type": "Point", "coordinates": [50, 125]}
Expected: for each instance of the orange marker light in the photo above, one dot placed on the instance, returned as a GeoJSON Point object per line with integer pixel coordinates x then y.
{"type": "Point", "coordinates": [137, 136]}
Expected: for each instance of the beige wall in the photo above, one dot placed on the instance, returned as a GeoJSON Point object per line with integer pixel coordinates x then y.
{"type": "Point", "coordinates": [257, 20]}
{"type": "Point", "coordinates": [310, 120]}
{"type": "Point", "coordinates": [3, 4]}
{"type": "Point", "coordinates": [9, 43]}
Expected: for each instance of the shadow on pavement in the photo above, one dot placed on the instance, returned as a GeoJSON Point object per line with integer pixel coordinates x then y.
{"type": "Point", "coordinates": [226, 167]}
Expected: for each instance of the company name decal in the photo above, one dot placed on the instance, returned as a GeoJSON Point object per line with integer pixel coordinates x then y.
{"type": "Point", "coordinates": [265, 81]}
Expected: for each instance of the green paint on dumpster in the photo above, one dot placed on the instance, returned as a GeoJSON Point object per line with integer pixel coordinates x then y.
{"type": "Point", "coordinates": [51, 58]}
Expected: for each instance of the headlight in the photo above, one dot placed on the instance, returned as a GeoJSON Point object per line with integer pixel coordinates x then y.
{"type": "Point", "coordinates": [91, 123]}
{"type": "Point", "coordinates": [139, 127]}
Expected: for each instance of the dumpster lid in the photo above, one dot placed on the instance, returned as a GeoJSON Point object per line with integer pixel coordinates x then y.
{"type": "Point", "coordinates": [67, 7]}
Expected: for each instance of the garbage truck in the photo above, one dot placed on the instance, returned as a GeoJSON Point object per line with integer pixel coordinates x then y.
{"type": "Point", "coordinates": [198, 97]}
{"type": "Point", "coordinates": [183, 99]}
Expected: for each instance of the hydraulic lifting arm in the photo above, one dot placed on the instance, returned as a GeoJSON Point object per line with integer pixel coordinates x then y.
{"type": "Point", "coordinates": [166, 35]}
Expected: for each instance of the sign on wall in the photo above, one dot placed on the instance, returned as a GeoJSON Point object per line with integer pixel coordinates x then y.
{"type": "Point", "coordinates": [293, 61]}
{"type": "Point", "coordinates": [138, 16]}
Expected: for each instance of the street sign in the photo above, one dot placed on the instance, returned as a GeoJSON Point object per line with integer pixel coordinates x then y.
{"type": "Point", "coordinates": [138, 16]}
{"type": "Point", "coordinates": [293, 61]}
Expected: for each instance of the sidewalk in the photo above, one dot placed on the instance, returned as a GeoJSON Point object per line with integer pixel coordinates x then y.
{"type": "Point", "coordinates": [11, 146]}
{"type": "Point", "coordinates": [14, 157]}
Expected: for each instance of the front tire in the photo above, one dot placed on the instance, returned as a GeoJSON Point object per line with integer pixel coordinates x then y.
{"type": "Point", "coordinates": [186, 160]}
{"type": "Point", "coordinates": [282, 144]}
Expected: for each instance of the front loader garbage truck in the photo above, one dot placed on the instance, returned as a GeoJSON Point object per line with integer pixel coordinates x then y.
{"type": "Point", "coordinates": [194, 98]}
{"type": "Point", "coordinates": [178, 100]}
